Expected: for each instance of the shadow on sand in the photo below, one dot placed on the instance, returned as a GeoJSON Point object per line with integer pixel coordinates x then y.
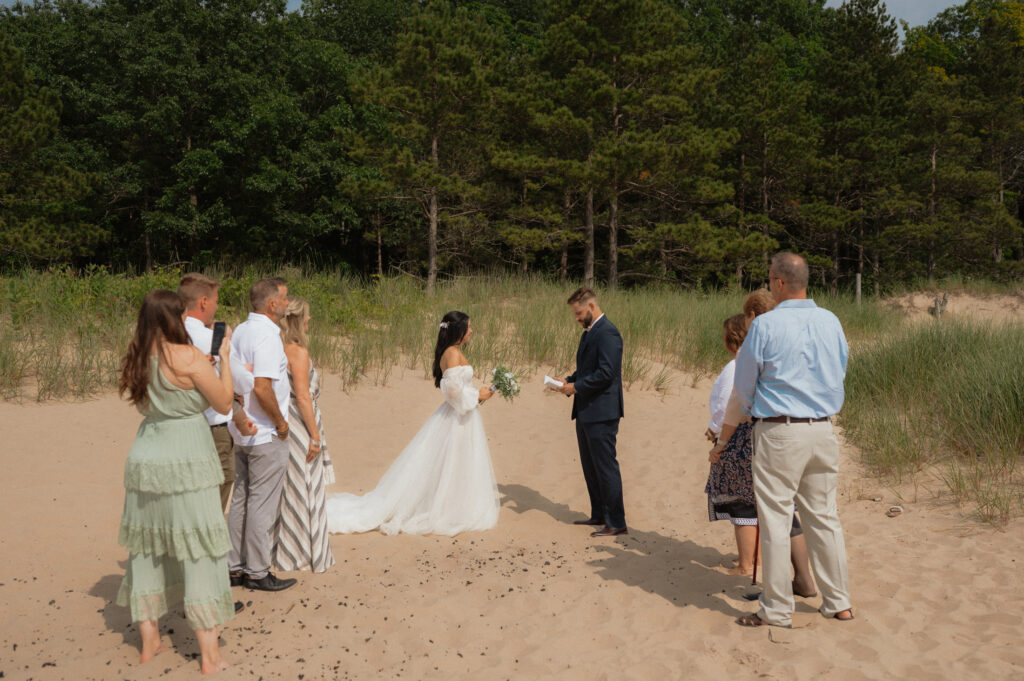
{"type": "Point", "coordinates": [678, 570]}
{"type": "Point", "coordinates": [118, 619]}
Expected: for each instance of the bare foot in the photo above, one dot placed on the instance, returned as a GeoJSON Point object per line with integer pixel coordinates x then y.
{"type": "Point", "coordinates": [740, 570]}
{"type": "Point", "coordinates": [213, 668]}
{"type": "Point", "coordinates": [844, 615]}
{"type": "Point", "coordinates": [148, 655]}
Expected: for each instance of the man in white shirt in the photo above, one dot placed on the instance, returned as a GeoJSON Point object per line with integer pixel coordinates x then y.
{"type": "Point", "coordinates": [199, 294]}
{"type": "Point", "coordinates": [261, 459]}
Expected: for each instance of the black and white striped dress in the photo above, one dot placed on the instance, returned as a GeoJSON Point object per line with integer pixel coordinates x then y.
{"type": "Point", "coordinates": [301, 541]}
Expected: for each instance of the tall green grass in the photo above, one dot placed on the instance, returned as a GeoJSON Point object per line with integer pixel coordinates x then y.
{"type": "Point", "coordinates": [946, 394]}
{"type": "Point", "coordinates": [918, 394]}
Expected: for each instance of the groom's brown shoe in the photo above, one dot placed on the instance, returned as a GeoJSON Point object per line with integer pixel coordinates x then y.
{"type": "Point", "coordinates": [607, 531]}
{"type": "Point", "coordinates": [588, 521]}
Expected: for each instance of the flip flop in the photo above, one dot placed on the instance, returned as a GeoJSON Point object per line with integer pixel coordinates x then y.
{"type": "Point", "coordinates": [751, 620]}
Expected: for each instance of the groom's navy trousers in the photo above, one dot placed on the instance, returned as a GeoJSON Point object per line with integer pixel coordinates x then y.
{"type": "Point", "coordinates": [597, 408]}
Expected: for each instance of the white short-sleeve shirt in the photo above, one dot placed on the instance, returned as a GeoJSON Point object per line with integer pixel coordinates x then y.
{"type": "Point", "coordinates": [202, 338]}
{"type": "Point", "coordinates": [257, 342]}
{"type": "Point", "coordinates": [720, 392]}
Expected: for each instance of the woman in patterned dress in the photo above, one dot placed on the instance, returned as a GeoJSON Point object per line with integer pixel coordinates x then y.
{"type": "Point", "coordinates": [301, 541]}
{"type": "Point", "coordinates": [173, 525]}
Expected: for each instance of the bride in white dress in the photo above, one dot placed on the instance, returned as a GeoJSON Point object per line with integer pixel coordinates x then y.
{"type": "Point", "coordinates": [442, 482]}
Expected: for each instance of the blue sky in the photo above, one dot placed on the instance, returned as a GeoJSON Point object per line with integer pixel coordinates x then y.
{"type": "Point", "coordinates": [916, 12]}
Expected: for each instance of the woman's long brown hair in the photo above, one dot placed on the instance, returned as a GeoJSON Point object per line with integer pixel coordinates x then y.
{"type": "Point", "coordinates": [159, 322]}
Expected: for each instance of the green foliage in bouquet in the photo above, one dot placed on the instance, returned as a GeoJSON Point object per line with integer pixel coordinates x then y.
{"type": "Point", "coordinates": [505, 382]}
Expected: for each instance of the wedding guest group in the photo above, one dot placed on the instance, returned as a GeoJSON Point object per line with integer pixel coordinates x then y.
{"type": "Point", "coordinates": [730, 486]}
{"type": "Point", "coordinates": [771, 424]}
{"type": "Point", "coordinates": [789, 379]}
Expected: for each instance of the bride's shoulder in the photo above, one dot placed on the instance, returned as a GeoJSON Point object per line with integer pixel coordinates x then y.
{"type": "Point", "coordinates": [453, 359]}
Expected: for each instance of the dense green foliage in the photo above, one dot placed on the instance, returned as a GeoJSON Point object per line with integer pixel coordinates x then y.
{"type": "Point", "coordinates": [613, 140]}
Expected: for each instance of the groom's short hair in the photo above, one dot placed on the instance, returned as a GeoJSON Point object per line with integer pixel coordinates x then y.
{"type": "Point", "coordinates": [582, 296]}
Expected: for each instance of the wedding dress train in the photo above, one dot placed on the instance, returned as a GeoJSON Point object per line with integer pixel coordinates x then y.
{"type": "Point", "coordinates": [441, 483]}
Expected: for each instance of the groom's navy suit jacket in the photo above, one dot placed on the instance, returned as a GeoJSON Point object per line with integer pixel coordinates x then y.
{"type": "Point", "coordinates": [598, 376]}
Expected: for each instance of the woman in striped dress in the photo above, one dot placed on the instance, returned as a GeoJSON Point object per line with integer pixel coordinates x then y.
{"type": "Point", "coordinates": [300, 534]}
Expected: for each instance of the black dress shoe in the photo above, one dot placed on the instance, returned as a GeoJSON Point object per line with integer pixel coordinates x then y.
{"type": "Point", "coordinates": [607, 531]}
{"type": "Point", "coordinates": [237, 578]}
{"type": "Point", "coordinates": [238, 607]}
{"type": "Point", "coordinates": [588, 521]}
{"type": "Point", "coordinates": [269, 582]}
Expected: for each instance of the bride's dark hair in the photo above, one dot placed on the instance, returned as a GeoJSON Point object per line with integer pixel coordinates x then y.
{"type": "Point", "coordinates": [453, 329]}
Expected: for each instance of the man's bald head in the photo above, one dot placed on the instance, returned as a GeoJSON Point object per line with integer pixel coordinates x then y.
{"type": "Point", "coordinates": [791, 271]}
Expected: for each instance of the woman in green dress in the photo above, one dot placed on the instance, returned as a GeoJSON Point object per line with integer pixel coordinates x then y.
{"type": "Point", "coordinates": [173, 525]}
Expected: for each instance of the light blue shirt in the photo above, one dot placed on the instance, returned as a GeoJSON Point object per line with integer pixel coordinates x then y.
{"type": "Point", "coordinates": [792, 363]}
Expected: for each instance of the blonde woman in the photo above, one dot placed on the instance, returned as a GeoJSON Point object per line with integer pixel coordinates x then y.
{"type": "Point", "coordinates": [300, 538]}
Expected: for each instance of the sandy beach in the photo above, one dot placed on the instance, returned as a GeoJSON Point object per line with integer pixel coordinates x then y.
{"type": "Point", "coordinates": [936, 594]}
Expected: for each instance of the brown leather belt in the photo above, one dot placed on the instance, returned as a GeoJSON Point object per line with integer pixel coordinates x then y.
{"type": "Point", "coordinates": [790, 419]}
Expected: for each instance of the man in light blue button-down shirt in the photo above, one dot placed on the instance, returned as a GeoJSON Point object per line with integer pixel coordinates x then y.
{"type": "Point", "coordinates": [789, 378]}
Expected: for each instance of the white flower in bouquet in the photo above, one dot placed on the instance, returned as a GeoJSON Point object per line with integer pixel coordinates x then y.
{"type": "Point", "coordinates": [505, 382]}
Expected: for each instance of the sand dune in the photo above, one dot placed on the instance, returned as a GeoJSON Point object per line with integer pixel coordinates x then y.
{"type": "Point", "coordinates": [936, 595]}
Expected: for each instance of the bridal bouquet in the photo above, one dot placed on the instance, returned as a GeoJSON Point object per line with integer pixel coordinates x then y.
{"type": "Point", "coordinates": [505, 382]}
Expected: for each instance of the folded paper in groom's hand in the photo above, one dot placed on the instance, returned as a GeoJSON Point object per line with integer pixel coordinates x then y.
{"type": "Point", "coordinates": [550, 383]}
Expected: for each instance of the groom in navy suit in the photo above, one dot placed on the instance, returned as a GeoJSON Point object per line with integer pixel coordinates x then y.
{"type": "Point", "coordinates": [597, 407]}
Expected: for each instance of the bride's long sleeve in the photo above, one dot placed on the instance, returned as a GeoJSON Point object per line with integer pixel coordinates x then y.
{"type": "Point", "coordinates": [461, 396]}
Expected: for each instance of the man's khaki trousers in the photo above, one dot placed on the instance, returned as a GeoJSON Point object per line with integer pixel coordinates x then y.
{"type": "Point", "coordinates": [799, 462]}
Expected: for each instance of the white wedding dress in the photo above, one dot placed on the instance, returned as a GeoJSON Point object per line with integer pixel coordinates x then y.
{"type": "Point", "coordinates": [441, 483]}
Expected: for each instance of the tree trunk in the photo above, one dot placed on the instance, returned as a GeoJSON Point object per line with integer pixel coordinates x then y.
{"type": "Point", "coordinates": [563, 265]}
{"type": "Point", "coordinates": [834, 284]}
{"type": "Point", "coordinates": [860, 260]}
{"type": "Point", "coordinates": [764, 173]}
{"type": "Point", "coordinates": [875, 269]}
{"type": "Point", "coordinates": [613, 234]}
{"type": "Point", "coordinates": [931, 217]}
{"type": "Point", "coordinates": [380, 246]}
{"type": "Point", "coordinates": [432, 217]}
{"type": "Point", "coordinates": [741, 184]}
{"type": "Point", "coordinates": [588, 249]}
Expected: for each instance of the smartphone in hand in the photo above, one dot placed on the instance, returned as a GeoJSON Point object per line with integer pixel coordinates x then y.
{"type": "Point", "coordinates": [218, 338]}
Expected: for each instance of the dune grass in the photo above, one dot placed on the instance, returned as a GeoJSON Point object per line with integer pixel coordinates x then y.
{"type": "Point", "coordinates": [949, 394]}
{"type": "Point", "coordinates": [919, 395]}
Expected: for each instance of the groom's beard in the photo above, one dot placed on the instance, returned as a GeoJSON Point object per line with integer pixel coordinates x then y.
{"type": "Point", "coordinates": [588, 320]}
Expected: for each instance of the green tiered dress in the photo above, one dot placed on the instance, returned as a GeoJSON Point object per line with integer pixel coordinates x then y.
{"type": "Point", "coordinates": [173, 525]}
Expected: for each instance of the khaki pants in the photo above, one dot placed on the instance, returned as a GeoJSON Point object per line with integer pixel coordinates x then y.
{"type": "Point", "coordinates": [799, 462]}
{"type": "Point", "coordinates": [226, 451]}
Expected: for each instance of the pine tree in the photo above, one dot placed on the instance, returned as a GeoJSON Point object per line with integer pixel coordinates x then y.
{"type": "Point", "coordinates": [438, 92]}
{"type": "Point", "coordinates": [40, 219]}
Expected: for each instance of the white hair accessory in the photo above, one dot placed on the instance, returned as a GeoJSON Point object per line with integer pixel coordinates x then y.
{"type": "Point", "coordinates": [444, 325]}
